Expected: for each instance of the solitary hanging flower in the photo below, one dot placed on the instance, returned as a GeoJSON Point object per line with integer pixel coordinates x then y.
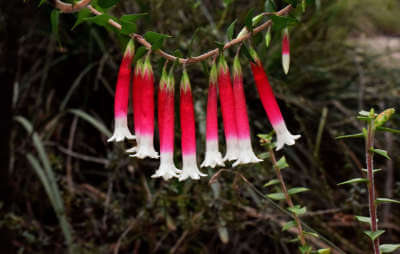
{"type": "Point", "coordinates": [228, 110]}
{"type": "Point", "coordinates": [246, 154]}
{"type": "Point", "coordinates": [284, 137]}
{"type": "Point", "coordinates": [145, 115]}
{"type": "Point", "coordinates": [213, 156]}
{"type": "Point", "coordinates": [285, 51]}
{"type": "Point", "coordinates": [166, 117]}
{"type": "Point", "coordinates": [188, 132]}
{"type": "Point", "coordinates": [121, 130]}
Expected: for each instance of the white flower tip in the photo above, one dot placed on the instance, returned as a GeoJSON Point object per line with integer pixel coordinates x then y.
{"type": "Point", "coordinates": [232, 152]}
{"type": "Point", "coordinates": [246, 154]}
{"type": "Point", "coordinates": [144, 154]}
{"type": "Point", "coordinates": [119, 136]}
{"type": "Point", "coordinates": [212, 160]}
{"type": "Point", "coordinates": [286, 62]}
{"type": "Point", "coordinates": [287, 139]}
{"type": "Point", "coordinates": [190, 169]}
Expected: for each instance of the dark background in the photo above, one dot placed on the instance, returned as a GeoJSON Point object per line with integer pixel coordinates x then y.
{"type": "Point", "coordinates": [344, 58]}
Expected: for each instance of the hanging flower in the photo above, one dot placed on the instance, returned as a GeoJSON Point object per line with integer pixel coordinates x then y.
{"type": "Point", "coordinates": [285, 51]}
{"type": "Point", "coordinates": [188, 132]}
{"type": "Point", "coordinates": [146, 113]}
{"type": "Point", "coordinates": [228, 110]}
{"type": "Point", "coordinates": [121, 130]}
{"type": "Point", "coordinates": [166, 118]}
{"type": "Point", "coordinates": [284, 137]}
{"type": "Point", "coordinates": [246, 154]}
{"type": "Point", "coordinates": [213, 156]}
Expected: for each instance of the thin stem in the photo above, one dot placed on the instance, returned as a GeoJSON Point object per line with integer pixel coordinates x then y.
{"type": "Point", "coordinates": [371, 184]}
{"type": "Point", "coordinates": [287, 196]}
{"type": "Point", "coordinates": [69, 8]}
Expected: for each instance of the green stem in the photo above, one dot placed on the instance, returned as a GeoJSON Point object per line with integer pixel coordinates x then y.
{"type": "Point", "coordinates": [371, 184]}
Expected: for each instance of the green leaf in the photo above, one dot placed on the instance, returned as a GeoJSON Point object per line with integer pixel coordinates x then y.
{"type": "Point", "coordinates": [311, 234]}
{"type": "Point", "coordinates": [324, 251]}
{"type": "Point", "coordinates": [269, 6]}
{"type": "Point", "coordinates": [374, 235]}
{"type": "Point", "coordinates": [305, 249]}
{"type": "Point", "coordinates": [263, 156]}
{"type": "Point", "coordinates": [296, 190]}
{"type": "Point", "coordinates": [107, 3]}
{"type": "Point", "coordinates": [230, 30]}
{"type": "Point", "coordinates": [128, 27]}
{"type": "Point", "coordinates": [354, 180]}
{"type": "Point", "coordinates": [282, 22]}
{"type": "Point", "coordinates": [288, 225]}
{"type": "Point", "coordinates": [132, 17]}
{"type": "Point", "coordinates": [386, 200]}
{"type": "Point", "coordinates": [364, 219]}
{"type": "Point", "coordinates": [363, 113]}
{"type": "Point", "coordinates": [156, 39]}
{"type": "Point", "coordinates": [271, 182]}
{"type": "Point", "coordinates": [380, 128]}
{"type": "Point", "coordinates": [276, 196]}
{"type": "Point", "coordinates": [249, 20]}
{"type": "Point", "coordinates": [55, 19]}
{"type": "Point", "coordinates": [268, 37]}
{"type": "Point", "coordinates": [101, 20]}
{"type": "Point", "coordinates": [298, 210]}
{"type": "Point", "coordinates": [292, 2]}
{"type": "Point", "coordinates": [42, 2]}
{"type": "Point", "coordinates": [140, 52]}
{"type": "Point", "coordinates": [281, 164]}
{"type": "Point", "coordinates": [381, 153]}
{"type": "Point", "coordinates": [373, 171]}
{"type": "Point", "coordinates": [358, 135]}
{"type": "Point", "coordinates": [387, 248]}
{"type": "Point", "coordinates": [82, 15]}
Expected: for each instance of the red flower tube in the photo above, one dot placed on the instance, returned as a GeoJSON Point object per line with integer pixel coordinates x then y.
{"type": "Point", "coordinates": [188, 132]}
{"type": "Point", "coordinates": [166, 119]}
{"type": "Point", "coordinates": [228, 110]}
{"type": "Point", "coordinates": [213, 156]}
{"type": "Point", "coordinates": [284, 137]}
{"type": "Point", "coordinates": [246, 154]}
{"type": "Point", "coordinates": [146, 113]}
{"type": "Point", "coordinates": [285, 51]}
{"type": "Point", "coordinates": [121, 130]}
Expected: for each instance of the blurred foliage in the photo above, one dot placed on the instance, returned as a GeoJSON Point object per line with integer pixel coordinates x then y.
{"type": "Point", "coordinates": [113, 204]}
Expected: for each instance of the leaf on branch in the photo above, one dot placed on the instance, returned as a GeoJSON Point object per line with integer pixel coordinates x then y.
{"type": "Point", "coordinates": [230, 30]}
{"type": "Point", "coordinates": [354, 180]}
{"type": "Point", "coordinates": [101, 20]}
{"type": "Point", "coordinates": [128, 28]}
{"type": "Point", "coordinates": [271, 182]}
{"type": "Point", "coordinates": [363, 113]}
{"type": "Point", "coordinates": [296, 190]}
{"type": "Point", "coordinates": [107, 3]}
{"type": "Point", "coordinates": [381, 153]}
{"type": "Point", "coordinates": [132, 17]}
{"type": "Point", "coordinates": [386, 200]}
{"type": "Point", "coordinates": [324, 251]}
{"type": "Point", "coordinates": [268, 37]}
{"type": "Point", "coordinates": [289, 224]}
{"type": "Point", "coordinates": [358, 135]}
{"type": "Point", "coordinates": [298, 210]}
{"type": "Point", "coordinates": [387, 248]}
{"type": "Point", "coordinates": [249, 20]}
{"type": "Point", "coordinates": [364, 219]}
{"type": "Point", "coordinates": [276, 196]}
{"type": "Point", "coordinates": [311, 233]}
{"type": "Point", "coordinates": [283, 22]}
{"type": "Point", "coordinates": [374, 235]}
{"type": "Point", "coordinates": [380, 128]}
{"type": "Point", "coordinates": [82, 15]}
{"type": "Point", "coordinates": [269, 6]}
{"type": "Point", "coordinates": [140, 52]}
{"type": "Point", "coordinates": [373, 171]}
{"type": "Point", "coordinates": [155, 39]}
{"type": "Point", "coordinates": [281, 164]}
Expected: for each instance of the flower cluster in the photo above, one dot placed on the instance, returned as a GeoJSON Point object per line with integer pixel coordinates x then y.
{"type": "Point", "coordinates": [233, 107]}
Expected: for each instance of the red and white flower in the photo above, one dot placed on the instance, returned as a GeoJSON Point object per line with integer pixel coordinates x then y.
{"type": "Point", "coordinates": [188, 132]}
{"type": "Point", "coordinates": [284, 137]}
{"type": "Point", "coordinates": [145, 114]}
{"type": "Point", "coordinates": [285, 51]}
{"type": "Point", "coordinates": [213, 156]}
{"type": "Point", "coordinates": [246, 154]}
{"type": "Point", "coordinates": [228, 110]}
{"type": "Point", "coordinates": [166, 118]}
{"type": "Point", "coordinates": [121, 130]}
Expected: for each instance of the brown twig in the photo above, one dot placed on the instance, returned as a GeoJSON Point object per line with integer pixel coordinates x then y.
{"type": "Point", "coordinates": [68, 8]}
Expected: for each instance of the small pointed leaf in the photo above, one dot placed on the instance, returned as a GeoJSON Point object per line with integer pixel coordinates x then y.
{"type": "Point", "coordinates": [230, 30]}
{"type": "Point", "coordinates": [387, 248]}
{"type": "Point", "coordinates": [281, 164]}
{"type": "Point", "coordinates": [381, 153]}
{"type": "Point", "coordinates": [289, 224]}
{"type": "Point", "coordinates": [386, 200]}
{"type": "Point", "coordinates": [296, 190]}
{"type": "Point", "coordinates": [298, 210]}
{"type": "Point", "coordinates": [276, 196]}
{"type": "Point", "coordinates": [374, 235]}
{"type": "Point", "coordinates": [354, 180]}
{"type": "Point", "coordinates": [357, 135]}
{"type": "Point", "coordinates": [271, 182]}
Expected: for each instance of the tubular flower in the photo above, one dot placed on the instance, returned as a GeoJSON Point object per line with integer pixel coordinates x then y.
{"type": "Point", "coordinates": [121, 130]}
{"type": "Point", "coordinates": [146, 113]}
{"type": "Point", "coordinates": [213, 156]}
{"type": "Point", "coordinates": [284, 137]}
{"type": "Point", "coordinates": [188, 132]}
{"type": "Point", "coordinates": [166, 117]}
{"type": "Point", "coordinates": [285, 51]}
{"type": "Point", "coordinates": [228, 110]}
{"type": "Point", "coordinates": [246, 154]}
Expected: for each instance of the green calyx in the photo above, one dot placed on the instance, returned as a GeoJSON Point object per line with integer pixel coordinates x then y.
{"type": "Point", "coordinates": [130, 48]}
{"type": "Point", "coordinates": [139, 67]}
{"type": "Point", "coordinates": [222, 65]}
{"type": "Point", "coordinates": [170, 81]}
{"type": "Point", "coordinates": [237, 68]}
{"type": "Point", "coordinates": [384, 116]}
{"type": "Point", "coordinates": [213, 74]}
{"type": "Point", "coordinates": [254, 55]}
{"type": "Point", "coordinates": [185, 82]}
{"type": "Point", "coordinates": [164, 79]}
{"type": "Point", "coordinates": [147, 68]}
